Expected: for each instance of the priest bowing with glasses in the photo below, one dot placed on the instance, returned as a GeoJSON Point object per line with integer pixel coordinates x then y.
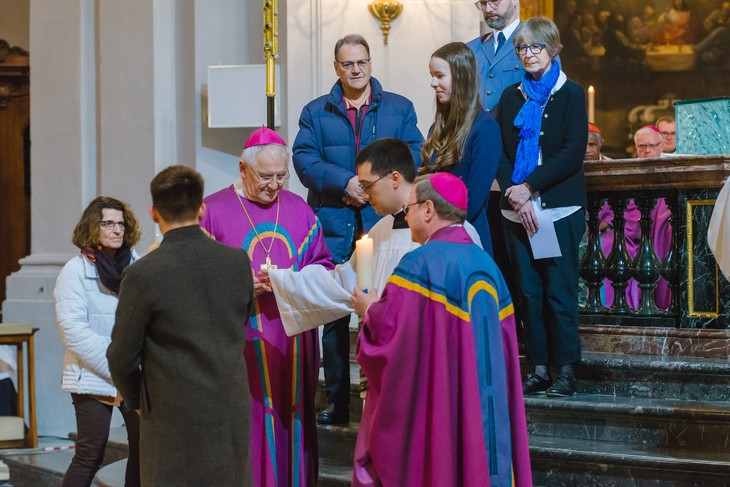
{"type": "Point", "coordinates": [278, 230]}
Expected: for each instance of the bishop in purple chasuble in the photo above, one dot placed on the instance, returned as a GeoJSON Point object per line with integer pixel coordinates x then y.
{"type": "Point", "coordinates": [282, 371]}
{"type": "Point", "coordinates": [439, 349]}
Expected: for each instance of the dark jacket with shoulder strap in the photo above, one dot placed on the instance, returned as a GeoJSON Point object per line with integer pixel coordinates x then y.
{"type": "Point", "coordinates": [563, 137]}
{"type": "Point", "coordinates": [324, 155]}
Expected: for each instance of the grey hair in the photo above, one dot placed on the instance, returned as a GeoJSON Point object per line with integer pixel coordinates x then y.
{"type": "Point", "coordinates": [647, 130]}
{"type": "Point", "coordinates": [540, 30]}
{"type": "Point", "coordinates": [249, 155]}
{"type": "Point", "coordinates": [445, 210]}
{"type": "Point", "coordinates": [352, 39]}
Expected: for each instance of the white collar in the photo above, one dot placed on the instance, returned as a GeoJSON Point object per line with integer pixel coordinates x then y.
{"type": "Point", "coordinates": [509, 30]}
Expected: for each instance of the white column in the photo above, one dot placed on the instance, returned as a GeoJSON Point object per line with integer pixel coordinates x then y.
{"type": "Point", "coordinates": [63, 174]}
{"type": "Point", "coordinates": [112, 102]}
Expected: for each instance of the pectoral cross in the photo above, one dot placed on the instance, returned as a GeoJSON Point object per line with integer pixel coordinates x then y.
{"type": "Point", "coordinates": [268, 265]}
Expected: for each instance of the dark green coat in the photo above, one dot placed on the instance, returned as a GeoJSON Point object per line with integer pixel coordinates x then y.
{"type": "Point", "coordinates": [182, 317]}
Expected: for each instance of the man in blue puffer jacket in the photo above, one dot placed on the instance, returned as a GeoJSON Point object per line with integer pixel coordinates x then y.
{"type": "Point", "coordinates": [332, 130]}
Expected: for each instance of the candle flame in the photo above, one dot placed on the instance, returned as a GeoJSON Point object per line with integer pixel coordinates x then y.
{"type": "Point", "coordinates": [591, 89]}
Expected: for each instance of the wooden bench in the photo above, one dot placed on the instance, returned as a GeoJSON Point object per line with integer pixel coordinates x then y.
{"type": "Point", "coordinates": [13, 433]}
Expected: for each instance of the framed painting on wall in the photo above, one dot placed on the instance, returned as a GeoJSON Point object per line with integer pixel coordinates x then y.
{"type": "Point", "coordinates": [643, 53]}
{"type": "Point", "coordinates": [536, 8]}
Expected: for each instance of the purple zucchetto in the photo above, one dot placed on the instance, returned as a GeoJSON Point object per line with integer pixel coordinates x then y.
{"type": "Point", "coordinates": [451, 188]}
{"type": "Point", "coordinates": [263, 136]}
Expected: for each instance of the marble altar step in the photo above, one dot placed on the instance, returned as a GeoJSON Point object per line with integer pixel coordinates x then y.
{"type": "Point", "coordinates": [558, 462]}
{"type": "Point", "coordinates": [682, 378]}
{"type": "Point", "coordinates": [38, 469]}
{"type": "Point", "coordinates": [631, 420]}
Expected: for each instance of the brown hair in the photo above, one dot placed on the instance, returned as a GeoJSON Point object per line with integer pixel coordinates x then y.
{"type": "Point", "coordinates": [453, 120]}
{"type": "Point", "coordinates": [177, 193]}
{"type": "Point", "coordinates": [86, 233]}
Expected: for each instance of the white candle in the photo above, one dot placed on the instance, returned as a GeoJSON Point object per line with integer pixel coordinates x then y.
{"type": "Point", "coordinates": [591, 104]}
{"type": "Point", "coordinates": [364, 257]}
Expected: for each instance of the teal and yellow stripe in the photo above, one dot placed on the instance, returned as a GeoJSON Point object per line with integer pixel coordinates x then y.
{"type": "Point", "coordinates": [296, 431]}
{"type": "Point", "coordinates": [314, 230]}
{"type": "Point", "coordinates": [260, 348]}
{"type": "Point", "coordinates": [430, 294]}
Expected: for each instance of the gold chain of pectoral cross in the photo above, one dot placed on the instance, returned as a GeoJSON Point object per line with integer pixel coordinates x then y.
{"type": "Point", "coordinates": [268, 265]}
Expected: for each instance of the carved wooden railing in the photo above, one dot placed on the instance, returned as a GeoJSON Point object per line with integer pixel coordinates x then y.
{"type": "Point", "coordinates": [680, 181]}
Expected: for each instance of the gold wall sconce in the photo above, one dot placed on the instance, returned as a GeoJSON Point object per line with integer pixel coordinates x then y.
{"type": "Point", "coordinates": [385, 11]}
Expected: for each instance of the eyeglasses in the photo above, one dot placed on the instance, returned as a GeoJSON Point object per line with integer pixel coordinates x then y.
{"type": "Point", "coordinates": [668, 134]}
{"type": "Point", "coordinates": [266, 180]}
{"type": "Point", "coordinates": [535, 49]}
{"type": "Point", "coordinates": [367, 186]}
{"type": "Point", "coordinates": [647, 146]}
{"type": "Point", "coordinates": [483, 5]}
{"type": "Point", "coordinates": [110, 224]}
{"type": "Point", "coordinates": [407, 206]}
{"type": "Point", "coordinates": [348, 65]}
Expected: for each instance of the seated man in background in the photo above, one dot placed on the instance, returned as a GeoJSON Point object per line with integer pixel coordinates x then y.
{"type": "Point", "coordinates": [595, 145]}
{"type": "Point", "coordinates": [668, 130]}
{"type": "Point", "coordinates": [649, 142]}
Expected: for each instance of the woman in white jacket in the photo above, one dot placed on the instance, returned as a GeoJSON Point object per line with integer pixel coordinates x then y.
{"type": "Point", "coordinates": [86, 302]}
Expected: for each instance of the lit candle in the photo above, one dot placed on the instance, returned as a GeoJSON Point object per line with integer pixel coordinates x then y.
{"type": "Point", "coordinates": [364, 257]}
{"type": "Point", "coordinates": [591, 104]}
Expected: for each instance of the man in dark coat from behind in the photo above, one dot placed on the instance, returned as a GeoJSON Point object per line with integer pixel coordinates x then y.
{"type": "Point", "coordinates": [176, 351]}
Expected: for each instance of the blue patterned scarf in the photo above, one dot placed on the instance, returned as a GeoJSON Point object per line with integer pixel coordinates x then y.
{"type": "Point", "coordinates": [529, 120]}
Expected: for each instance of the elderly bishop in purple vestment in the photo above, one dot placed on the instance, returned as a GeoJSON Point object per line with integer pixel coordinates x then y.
{"type": "Point", "coordinates": [278, 230]}
{"type": "Point", "coordinates": [445, 403]}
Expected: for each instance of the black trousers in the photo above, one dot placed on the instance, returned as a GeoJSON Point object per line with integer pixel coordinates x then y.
{"type": "Point", "coordinates": [92, 423]}
{"type": "Point", "coordinates": [336, 357]}
{"type": "Point", "coordinates": [548, 292]}
{"type": "Point", "coordinates": [8, 398]}
{"type": "Point", "coordinates": [501, 256]}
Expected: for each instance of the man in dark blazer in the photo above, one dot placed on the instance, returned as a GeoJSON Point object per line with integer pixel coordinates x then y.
{"type": "Point", "coordinates": [177, 346]}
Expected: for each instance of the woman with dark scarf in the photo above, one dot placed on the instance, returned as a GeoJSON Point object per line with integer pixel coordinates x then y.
{"type": "Point", "coordinates": [86, 302]}
{"type": "Point", "coordinates": [544, 132]}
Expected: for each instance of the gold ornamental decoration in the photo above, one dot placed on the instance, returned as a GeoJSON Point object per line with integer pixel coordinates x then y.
{"type": "Point", "coordinates": [385, 11]}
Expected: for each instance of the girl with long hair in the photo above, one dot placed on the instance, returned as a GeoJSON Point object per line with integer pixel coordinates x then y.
{"type": "Point", "coordinates": [464, 140]}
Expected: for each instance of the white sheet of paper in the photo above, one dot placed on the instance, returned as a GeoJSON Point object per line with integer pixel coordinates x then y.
{"type": "Point", "coordinates": [544, 243]}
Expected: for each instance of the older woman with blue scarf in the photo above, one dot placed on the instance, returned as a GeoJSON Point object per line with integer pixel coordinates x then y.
{"type": "Point", "coordinates": [544, 132]}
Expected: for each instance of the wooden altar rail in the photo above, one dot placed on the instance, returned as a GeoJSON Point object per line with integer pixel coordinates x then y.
{"type": "Point", "coordinates": [676, 179]}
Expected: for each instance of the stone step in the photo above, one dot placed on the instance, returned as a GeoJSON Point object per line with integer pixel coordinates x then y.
{"type": "Point", "coordinates": [111, 475]}
{"type": "Point", "coordinates": [684, 378]}
{"type": "Point", "coordinates": [337, 443]}
{"type": "Point", "coordinates": [334, 475]}
{"type": "Point", "coordinates": [658, 422]}
{"type": "Point", "coordinates": [576, 462]}
{"type": "Point", "coordinates": [38, 469]}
